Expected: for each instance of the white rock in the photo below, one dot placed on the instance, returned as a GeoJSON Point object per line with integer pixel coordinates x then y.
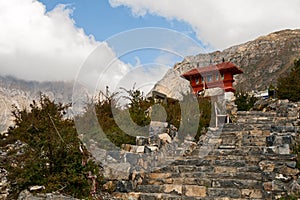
{"type": "Point", "coordinates": [284, 149]}
{"type": "Point", "coordinates": [165, 138]}
{"type": "Point", "coordinates": [140, 149]}
{"type": "Point", "coordinates": [152, 148]}
{"type": "Point", "coordinates": [36, 187]}
{"type": "Point", "coordinates": [213, 92]}
{"type": "Point", "coordinates": [117, 171]}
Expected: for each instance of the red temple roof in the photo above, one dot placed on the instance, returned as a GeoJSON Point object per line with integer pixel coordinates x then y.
{"type": "Point", "coordinates": [221, 67]}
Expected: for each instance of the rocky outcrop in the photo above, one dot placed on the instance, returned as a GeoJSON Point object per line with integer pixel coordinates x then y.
{"type": "Point", "coordinates": [263, 60]}
{"type": "Point", "coordinates": [9, 97]}
{"type": "Point", "coordinates": [249, 159]}
{"type": "Point", "coordinates": [172, 85]}
{"type": "Point", "coordinates": [20, 93]}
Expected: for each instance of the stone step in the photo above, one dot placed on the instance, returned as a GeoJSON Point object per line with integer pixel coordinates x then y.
{"type": "Point", "coordinates": [256, 120]}
{"type": "Point", "coordinates": [199, 177]}
{"type": "Point", "coordinates": [284, 129]}
{"type": "Point", "coordinates": [234, 193]}
{"type": "Point", "coordinates": [213, 158]}
{"type": "Point", "coordinates": [233, 161]}
{"type": "Point", "coordinates": [180, 181]}
{"type": "Point", "coordinates": [225, 152]}
{"type": "Point", "coordinates": [205, 178]}
{"type": "Point", "coordinates": [193, 162]}
{"type": "Point", "coordinates": [191, 192]}
{"type": "Point", "coordinates": [236, 183]}
{"type": "Point", "coordinates": [231, 174]}
{"type": "Point", "coordinates": [280, 157]}
{"type": "Point", "coordinates": [222, 155]}
{"type": "Point", "coordinates": [237, 127]}
{"type": "Point", "coordinates": [251, 166]}
{"type": "Point", "coordinates": [174, 190]}
{"type": "Point", "coordinates": [128, 195]}
{"type": "Point", "coordinates": [256, 113]}
{"type": "Point", "coordinates": [240, 151]}
{"type": "Point", "coordinates": [253, 140]}
{"type": "Point", "coordinates": [251, 163]}
{"type": "Point", "coordinates": [254, 132]}
{"type": "Point", "coordinates": [150, 188]}
{"type": "Point", "coordinates": [215, 161]}
{"type": "Point", "coordinates": [155, 196]}
{"type": "Point", "coordinates": [161, 196]}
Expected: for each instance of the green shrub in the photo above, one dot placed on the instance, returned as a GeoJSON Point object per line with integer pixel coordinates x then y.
{"type": "Point", "coordinates": [51, 157]}
{"type": "Point", "coordinates": [244, 101]}
{"type": "Point", "coordinates": [289, 197]}
{"type": "Point", "coordinates": [288, 86]}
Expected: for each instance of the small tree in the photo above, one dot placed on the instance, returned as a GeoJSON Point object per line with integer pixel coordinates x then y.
{"type": "Point", "coordinates": [288, 84]}
{"type": "Point", "coordinates": [138, 107]}
{"type": "Point", "coordinates": [110, 135]}
{"type": "Point", "coordinates": [52, 155]}
{"type": "Point", "coordinates": [244, 101]}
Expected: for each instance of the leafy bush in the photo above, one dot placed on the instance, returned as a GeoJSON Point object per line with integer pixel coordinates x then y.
{"type": "Point", "coordinates": [139, 107]}
{"type": "Point", "coordinates": [244, 101]}
{"type": "Point", "coordinates": [184, 115]}
{"type": "Point", "coordinates": [107, 113]}
{"type": "Point", "coordinates": [52, 156]}
{"type": "Point", "coordinates": [120, 125]}
{"type": "Point", "coordinates": [288, 86]}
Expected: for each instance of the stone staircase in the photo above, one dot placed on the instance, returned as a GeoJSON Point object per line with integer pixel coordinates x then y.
{"type": "Point", "coordinates": [249, 159]}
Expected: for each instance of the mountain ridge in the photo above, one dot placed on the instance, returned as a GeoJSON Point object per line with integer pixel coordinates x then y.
{"type": "Point", "coordinates": [263, 60]}
{"type": "Point", "coordinates": [18, 92]}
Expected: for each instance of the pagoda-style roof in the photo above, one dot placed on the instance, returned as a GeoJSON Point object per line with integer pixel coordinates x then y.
{"type": "Point", "coordinates": [221, 67]}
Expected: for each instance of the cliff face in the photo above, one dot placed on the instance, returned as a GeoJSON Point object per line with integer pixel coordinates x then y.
{"type": "Point", "coordinates": [263, 60]}
{"type": "Point", "coordinates": [21, 93]}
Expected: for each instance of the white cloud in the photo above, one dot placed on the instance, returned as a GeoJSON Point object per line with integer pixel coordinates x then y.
{"type": "Point", "coordinates": [40, 45]}
{"type": "Point", "coordinates": [223, 23]}
{"type": "Point", "coordinates": [143, 77]}
{"type": "Point", "coordinates": [47, 46]}
{"type": "Point", "coordinates": [103, 68]}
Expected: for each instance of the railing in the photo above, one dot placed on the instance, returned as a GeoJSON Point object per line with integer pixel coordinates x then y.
{"type": "Point", "coordinates": [219, 115]}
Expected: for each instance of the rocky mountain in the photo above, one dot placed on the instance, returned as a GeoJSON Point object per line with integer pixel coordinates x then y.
{"type": "Point", "coordinates": [18, 92]}
{"type": "Point", "coordinates": [263, 60]}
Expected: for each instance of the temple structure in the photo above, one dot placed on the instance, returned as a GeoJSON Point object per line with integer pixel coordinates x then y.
{"type": "Point", "coordinates": [213, 76]}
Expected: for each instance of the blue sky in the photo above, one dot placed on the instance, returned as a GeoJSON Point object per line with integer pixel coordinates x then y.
{"type": "Point", "coordinates": [54, 40]}
{"type": "Point", "coordinates": [99, 18]}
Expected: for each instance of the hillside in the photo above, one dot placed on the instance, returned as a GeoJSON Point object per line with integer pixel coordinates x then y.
{"type": "Point", "coordinates": [19, 92]}
{"type": "Point", "coordinates": [263, 60]}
